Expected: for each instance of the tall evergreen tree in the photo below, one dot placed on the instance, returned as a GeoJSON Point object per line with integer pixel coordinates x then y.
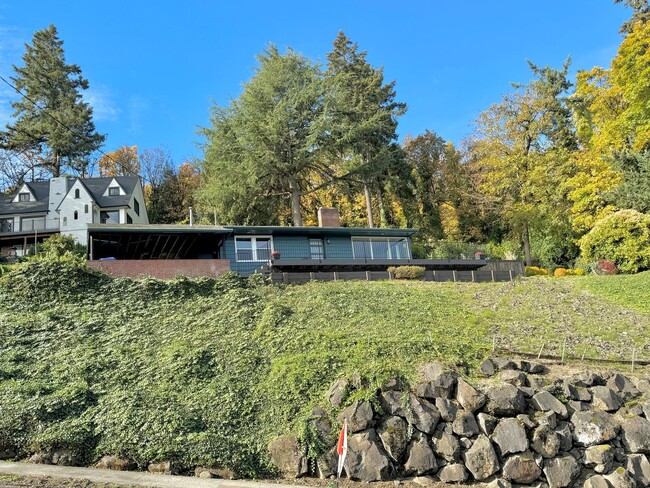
{"type": "Point", "coordinates": [359, 120]}
{"type": "Point", "coordinates": [51, 120]}
{"type": "Point", "coordinates": [262, 149]}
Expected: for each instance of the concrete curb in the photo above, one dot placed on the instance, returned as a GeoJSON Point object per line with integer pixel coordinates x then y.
{"type": "Point", "coordinates": [127, 477]}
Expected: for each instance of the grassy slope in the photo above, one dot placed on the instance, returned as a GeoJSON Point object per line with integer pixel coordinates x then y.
{"type": "Point", "coordinates": [208, 372]}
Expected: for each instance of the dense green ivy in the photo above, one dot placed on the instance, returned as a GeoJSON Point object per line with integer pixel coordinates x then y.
{"type": "Point", "coordinates": [202, 372]}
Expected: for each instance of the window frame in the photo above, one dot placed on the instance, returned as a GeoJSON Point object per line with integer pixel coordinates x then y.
{"type": "Point", "coordinates": [111, 191]}
{"type": "Point", "coordinates": [387, 240]}
{"type": "Point", "coordinates": [77, 194]}
{"type": "Point", "coordinates": [136, 207]}
{"type": "Point", "coordinates": [316, 244]}
{"type": "Point", "coordinates": [24, 196]}
{"type": "Point", "coordinates": [32, 220]}
{"type": "Point", "coordinates": [254, 256]}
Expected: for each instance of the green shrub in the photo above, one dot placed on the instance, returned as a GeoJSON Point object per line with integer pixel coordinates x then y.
{"type": "Point", "coordinates": [450, 249]}
{"type": "Point", "coordinates": [60, 247]}
{"type": "Point", "coordinates": [623, 238]}
{"type": "Point", "coordinates": [407, 272]}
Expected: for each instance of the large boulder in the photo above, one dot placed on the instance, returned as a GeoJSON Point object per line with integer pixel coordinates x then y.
{"type": "Point", "coordinates": [391, 402]}
{"type": "Point", "coordinates": [639, 468]}
{"type": "Point", "coordinates": [599, 458]}
{"type": "Point", "coordinates": [596, 481]}
{"type": "Point", "coordinates": [366, 459]}
{"type": "Point", "coordinates": [546, 402]}
{"type": "Point", "coordinates": [623, 387]}
{"type": "Point", "coordinates": [453, 473]}
{"type": "Point", "coordinates": [486, 423]}
{"type": "Point", "coordinates": [620, 478]}
{"type": "Point", "coordinates": [505, 400]}
{"type": "Point", "coordinates": [420, 459]}
{"type": "Point", "coordinates": [510, 436]}
{"type": "Point", "coordinates": [423, 415]}
{"type": "Point", "coordinates": [438, 382]}
{"type": "Point", "coordinates": [481, 460]}
{"type": "Point", "coordinates": [446, 446]}
{"type": "Point", "coordinates": [521, 468]}
{"type": "Point", "coordinates": [327, 463]}
{"type": "Point", "coordinates": [561, 471]}
{"type": "Point", "coordinates": [465, 425]}
{"type": "Point", "coordinates": [287, 456]}
{"type": "Point", "coordinates": [604, 398]}
{"type": "Point", "coordinates": [447, 408]}
{"type": "Point", "coordinates": [591, 428]}
{"type": "Point", "coordinates": [115, 463]}
{"type": "Point", "coordinates": [394, 435]}
{"type": "Point", "coordinates": [635, 432]}
{"type": "Point", "coordinates": [337, 393]}
{"type": "Point", "coordinates": [545, 441]}
{"type": "Point", "coordinates": [359, 416]}
{"type": "Point", "coordinates": [469, 397]}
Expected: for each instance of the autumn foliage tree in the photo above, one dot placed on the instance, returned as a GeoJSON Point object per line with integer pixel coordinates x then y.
{"type": "Point", "coordinates": [122, 161]}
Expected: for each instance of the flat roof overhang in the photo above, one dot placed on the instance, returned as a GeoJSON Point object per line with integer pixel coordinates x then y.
{"type": "Point", "coordinates": [145, 241]}
{"type": "Point", "coordinates": [297, 265]}
{"type": "Point", "coordinates": [320, 231]}
{"type": "Point", "coordinates": [155, 229]}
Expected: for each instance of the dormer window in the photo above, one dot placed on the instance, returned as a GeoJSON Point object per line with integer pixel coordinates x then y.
{"type": "Point", "coordinates": [113, 191]}
{"type": "Point", "coordinates": [76, 193]}
{"type": "Point", "coordinates": [23, 197]}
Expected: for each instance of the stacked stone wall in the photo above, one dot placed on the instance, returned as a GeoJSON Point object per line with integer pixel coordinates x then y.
{"type": "Point", "coordinates": [521, 427]}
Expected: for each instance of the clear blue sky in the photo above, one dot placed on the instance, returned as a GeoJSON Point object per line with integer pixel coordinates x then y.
{"type": "Point", "coordinates": [156, 66]}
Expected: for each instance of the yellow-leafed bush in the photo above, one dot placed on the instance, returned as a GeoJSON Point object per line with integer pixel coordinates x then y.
{"type": "Point", "coordinates": [407, 272]}
{"type": "Point", "coordinates": [536, 271]}
{"type": "Point", "coordinates": [559, 272]}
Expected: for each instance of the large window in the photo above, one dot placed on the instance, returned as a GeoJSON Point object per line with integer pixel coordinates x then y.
{"type": "Point", "coordinates": [380, 248]}
{"type": "Point", "coordinates": [32, 223]}
{"type": "Point", "coordinates": [6, 225]}
{"type": "Point", "coordinates": [136, 207]}
{"type": "Point", "coordinates": [110, 217]}
{"type": "Point", "coordinates": [253, 248]}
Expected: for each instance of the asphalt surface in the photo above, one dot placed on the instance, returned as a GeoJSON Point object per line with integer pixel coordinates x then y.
{"type": "Point", "coordinates": [127, 477]}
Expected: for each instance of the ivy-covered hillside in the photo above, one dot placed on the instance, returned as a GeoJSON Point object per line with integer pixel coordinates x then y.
{"type": "Point", "coordinates": [206, 372]}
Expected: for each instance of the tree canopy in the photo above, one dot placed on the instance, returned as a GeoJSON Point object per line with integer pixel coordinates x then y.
{"type": "Point", "coordinates": [51, 122]}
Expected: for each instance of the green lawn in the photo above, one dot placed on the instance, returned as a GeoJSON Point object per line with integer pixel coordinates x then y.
{"type": "Point", "coordinates": [207, 372]}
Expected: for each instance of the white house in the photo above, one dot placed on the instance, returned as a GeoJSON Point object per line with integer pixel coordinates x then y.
{"type": "Point", "coordinates": [67, 205]}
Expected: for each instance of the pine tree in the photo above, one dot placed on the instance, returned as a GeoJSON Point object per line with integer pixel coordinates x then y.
{"type": "Point", "coordinates": [51, 120]}
{"type": "Point", "coordinates": [360, 116]}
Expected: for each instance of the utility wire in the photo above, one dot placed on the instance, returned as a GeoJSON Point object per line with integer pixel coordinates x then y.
{"type": "Point", "coordinates": [124, 168]}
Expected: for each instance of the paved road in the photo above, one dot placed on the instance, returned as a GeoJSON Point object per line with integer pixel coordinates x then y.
{"type": "Point", "coordinates": [127, 477]}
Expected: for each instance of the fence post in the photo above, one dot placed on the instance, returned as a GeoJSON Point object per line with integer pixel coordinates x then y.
{"type": "Point", "coordinates": [510, 273]}
{"type": "Point", "coordinates": [473, 276]}
{"type": "Point", "coordinates": [336, 275]}
{"type": "Point", "coordinates": [285, 277]}
{"type": "Point", "coordinates": [433, 271]}
{"type": "Point", "coordinates": [312, 275]}
{"type": "Point", "coordinates": [454, 275]}
{"type": "Point", "coordinates": [368, 276]}
{"type": "Point", "coordinates": [492, 274]}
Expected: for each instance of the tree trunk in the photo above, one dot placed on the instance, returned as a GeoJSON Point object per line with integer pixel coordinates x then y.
{"type": "Point", "coordinates": [295, 203]}
{"type": "Point", "coordinates": [366, 190]}
{"type": "Point", "coordinates": [526, 239]}
{"type": "Point", "coordinates": [383, 217]}
{"type": "Point", "coordinates": [56, 165]}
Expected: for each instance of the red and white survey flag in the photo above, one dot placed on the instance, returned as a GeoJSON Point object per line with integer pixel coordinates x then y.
{"type": "Point", "coordinates": [342, 446]}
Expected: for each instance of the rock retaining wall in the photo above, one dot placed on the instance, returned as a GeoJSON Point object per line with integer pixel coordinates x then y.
{"type": "Point", "coordinates": [521, 428]}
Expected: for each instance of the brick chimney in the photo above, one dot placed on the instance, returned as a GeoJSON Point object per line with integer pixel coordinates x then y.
{"type": "Point", "coordinates": [328, 217]}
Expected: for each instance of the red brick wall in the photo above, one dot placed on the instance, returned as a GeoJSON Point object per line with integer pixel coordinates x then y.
{"type": "Point", "coordinates": [162, 269]}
